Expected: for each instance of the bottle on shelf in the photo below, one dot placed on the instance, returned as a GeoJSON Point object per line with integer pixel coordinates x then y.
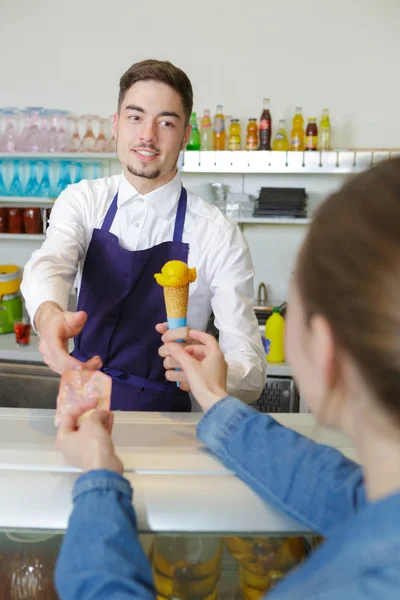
{"type": "Point", "coordinates": [234, 139]}
{"type": "Point", "coordinates": [324, 132]}
{"type": "Point", "coordinates": [194, 139]}
{"type": "Point", "coordinates": [281, 141]}
{"type": "Point", "coordinates": [297, 136]}
{"type": "Point", "coordinates": [206, 132]}
{"type": "Point", "coordinates": [219, 129]}
{"type": "Point", "coordinates": [252, 135]}
{"type": "Point", "coordinates": [3, 220]}
{"type": "Point", "coordinates": [311, 140]}
{"type": "Point", "coordinates": [15, 220]}
{"type": "Point", "coordinates": [265, 127]}
{"type": "Point", "coordinates": [32, 218]}
{"type": "Point", "coordinates": [275, 337]}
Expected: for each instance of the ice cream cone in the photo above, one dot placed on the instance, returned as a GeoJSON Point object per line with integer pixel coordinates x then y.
{"type": "Point", "coordinates": [175, 278]}
{"type": "Point", "coordinates": [176, 303]}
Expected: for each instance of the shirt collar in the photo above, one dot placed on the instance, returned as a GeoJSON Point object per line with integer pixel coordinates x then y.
{"type": "Point", "coordinates": [162, 200]}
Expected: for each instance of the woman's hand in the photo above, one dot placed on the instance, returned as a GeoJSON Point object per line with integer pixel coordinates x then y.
{"type": "Point", "coordinates": [86, 443]}
{"type": "Point", "coordinates": [203, 366]}
{"type": "Point", "coordinates": [171, 335]}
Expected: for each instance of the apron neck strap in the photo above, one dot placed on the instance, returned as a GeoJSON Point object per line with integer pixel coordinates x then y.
{"type": "Point", "coordinates": [180, 216]}
{"type": "Point", "coordinates": [179, 220]}
{"type": "Point", "coordinates": [112, 211]}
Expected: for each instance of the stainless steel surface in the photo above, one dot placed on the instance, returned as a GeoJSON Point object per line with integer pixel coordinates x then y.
{"type": "Point", "coordinates": [263, 311]}
{"type": "Point", "coordinates": [279, 395]}
{"type": "Point", "coordinates": [179, 485]}
{"type": "Point", "coordinates": [262, 295]}
{"type": "Point", "coordinates": [27, 385]}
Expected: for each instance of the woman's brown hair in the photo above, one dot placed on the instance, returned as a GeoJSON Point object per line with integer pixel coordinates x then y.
{"type": "Point", "coordinates": [348, 270]}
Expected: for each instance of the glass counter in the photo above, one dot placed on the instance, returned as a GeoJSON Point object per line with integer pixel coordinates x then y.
{"type": "Point", "coordinates": [208, 536]}
{"type": "Point", "coordinates": [185, 567]}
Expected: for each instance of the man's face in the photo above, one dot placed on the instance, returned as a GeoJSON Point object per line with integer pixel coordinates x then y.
{"type": "Point", "coordinates": [150, 130]}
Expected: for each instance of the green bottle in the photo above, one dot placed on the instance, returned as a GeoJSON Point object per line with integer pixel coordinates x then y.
{"type": "Point", "coordinates": [194, 140]}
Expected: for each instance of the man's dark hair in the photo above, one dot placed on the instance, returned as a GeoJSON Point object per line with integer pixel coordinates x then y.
{"type": "Point", "coordinates": [164, 72]}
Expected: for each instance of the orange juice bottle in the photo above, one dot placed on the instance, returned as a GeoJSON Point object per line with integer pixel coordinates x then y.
{"type": "Point", "coordinates": [281, 141]}
{"type": "Point", "coordinates": [252, 135]}
{"type": "Point", "coordinates": [219, 129]}
{"type": "Point", "coordinates": [234, 141]}
{"type": "Point", "coordinates": [297, 137]}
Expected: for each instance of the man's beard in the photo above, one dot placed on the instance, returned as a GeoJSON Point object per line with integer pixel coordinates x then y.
{"type": "Point", "coordinates": [147, 174]}
{"type": "Point", "coordinates": [143, 173]}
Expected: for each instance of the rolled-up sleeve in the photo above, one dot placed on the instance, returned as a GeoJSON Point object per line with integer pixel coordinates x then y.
{"type": "Point", "coordinates": [50, 273]}
{"type": "Point", "coordinates": [232, 288]}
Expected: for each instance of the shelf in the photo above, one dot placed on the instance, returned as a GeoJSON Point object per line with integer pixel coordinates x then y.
{"type": "Point", "coordinates": [335, 162]}
{"type": "Point", "coordinates": [256, 162]}
{"type": "Point", "coordinates": [272, 221]}
{"type": "Point", "coordinates": [90, 156]}
{"type": "Point", "coordinates": [21, 201]}
{"type": "Point", "coordinates": [22, 236]}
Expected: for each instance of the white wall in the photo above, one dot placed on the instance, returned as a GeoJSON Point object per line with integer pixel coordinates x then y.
{"type": "Point", "coordinates": [273, 247]}
{"type": "Point", "coordinates": [317, 53]}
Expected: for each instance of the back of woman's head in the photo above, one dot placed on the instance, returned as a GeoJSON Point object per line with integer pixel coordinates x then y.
{"type": "Point", "coordinates": [349, 271]}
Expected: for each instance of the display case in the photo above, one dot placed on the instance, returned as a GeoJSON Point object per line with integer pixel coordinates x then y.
{"type": "Point", "coordinates": [207, 534]}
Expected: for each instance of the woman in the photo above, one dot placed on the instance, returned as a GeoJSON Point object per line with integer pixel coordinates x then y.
{"type": "Point", "coordinates": [343, 343]}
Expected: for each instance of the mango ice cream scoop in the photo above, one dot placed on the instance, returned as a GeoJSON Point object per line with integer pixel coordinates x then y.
{"type": "Point", "coordinates": [175, 278]}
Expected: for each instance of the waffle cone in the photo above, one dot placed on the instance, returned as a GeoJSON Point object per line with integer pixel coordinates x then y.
{"type": "Point", "coordinates": [176, 301]}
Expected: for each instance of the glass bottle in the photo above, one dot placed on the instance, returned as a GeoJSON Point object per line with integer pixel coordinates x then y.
{"type": "Point", "coordinates": [234, 140]}
{"type": "Point", "coordinates": [219, 129]}
{"type": "Point", "coordinates": [194, 139]}
{"type": "Point", "coordinates": [324, 132]}
{"type": "Point", "coordinates": [252, 135]}
{"type": "Point", "coordinates": [265, 127]}
{"type": "Point", "coordinates": [311, 140]}
{"type": "Point", "coordinates": [281, 141]}
{"type": "Point", "coordinates": [297, 135]}
{"type": "Point", "coordinates": [206, 132]}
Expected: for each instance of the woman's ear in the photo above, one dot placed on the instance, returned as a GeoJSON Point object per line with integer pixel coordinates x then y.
{"type": "Point", "coordinates": [322, 347]}
{"type": "Point", "coordinates": [326, 361]}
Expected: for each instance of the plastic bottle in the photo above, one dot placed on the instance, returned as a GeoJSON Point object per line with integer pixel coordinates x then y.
{"type": "Point", "coordinates": [252, 135]}
{"type": "Point", "coordinates": [219, 129]}
{"type": "Point", "coordinates": [234, 140]}
{"type": "Point", "coordinates": [275, 336]}
{"type": "Point", "coordinates": [206, 132]}
{"type": "Point", "coordinates": [265, 127]}
{"type": "Point", "coordinates": [194, 139]}
{"type": "Point", "coordinates": [297, 136]}
{"type": "Point", "coordinates": [324, 133]}
{"type": "Point", "coordinates": [281, 141]}
{"type": "Point", "coordinates": [311, 140]}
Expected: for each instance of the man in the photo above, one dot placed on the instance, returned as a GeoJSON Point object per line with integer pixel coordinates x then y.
{"type": "Point", "coordinates": [116, 232]}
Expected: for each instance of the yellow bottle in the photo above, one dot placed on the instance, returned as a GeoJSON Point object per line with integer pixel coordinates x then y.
{"type": "Point", "coordinates": [275, 336]}
{"type": "Point", "coordinates": [297, 137]}
{"type": "Point", "coordinates": [234, 141]}
{"type": "Point", "coordinates": [324, 132]}
{"type": "Point", "coordinates": [281, 141]}
{"type": "Point", "coordinates": [219, 129]}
